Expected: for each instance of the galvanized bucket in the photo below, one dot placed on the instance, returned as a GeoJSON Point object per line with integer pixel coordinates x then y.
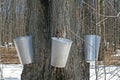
{"type": "Point", "coordinates": [60, 51]}
{"type": "Point", "coordinates": [117, 52]}
{"type": "Point", "coordinates": [91, 47]}
{"type": "Point", "coordinates": [24, 49]}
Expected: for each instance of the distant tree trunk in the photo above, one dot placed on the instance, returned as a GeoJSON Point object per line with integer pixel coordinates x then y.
{"type": "Point", "coordinates": [60, 17]}
{"type": "Point", "coordinates": [11, 20]}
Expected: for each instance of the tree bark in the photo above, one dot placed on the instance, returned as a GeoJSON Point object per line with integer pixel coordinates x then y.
{"type": "Point", "coordinates": [59, 18]}
{"type": "Point", "coordinates": [11, 20]}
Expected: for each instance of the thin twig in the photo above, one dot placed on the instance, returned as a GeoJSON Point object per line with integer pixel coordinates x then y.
{"type": "Point", "coordinates": [101, 14]}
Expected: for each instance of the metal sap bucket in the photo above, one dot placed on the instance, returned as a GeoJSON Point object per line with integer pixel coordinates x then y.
{"type": "Point", "coordinates": [117, 52]}
{"type": "Point", "coordinates": [91, 47]}
{"type": "Point", "coordinates": [60, 51]}
{"type": "Point", "coordinates": [24, 49]}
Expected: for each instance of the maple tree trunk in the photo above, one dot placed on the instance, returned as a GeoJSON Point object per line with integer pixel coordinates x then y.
{"type": "Point", "coordinates": [46, 19]}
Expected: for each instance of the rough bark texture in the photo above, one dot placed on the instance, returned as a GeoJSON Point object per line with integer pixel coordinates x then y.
{"type": "Point", "coordinates": [12, 20]}
{"type": "Point", "coordinates": [64, 20]}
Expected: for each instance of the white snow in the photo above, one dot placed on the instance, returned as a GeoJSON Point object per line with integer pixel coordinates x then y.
{"type": "Point", "coordinates": [14, 71]}
{"type": "Point", "coordinates": [105, 72]}
{"type": "Point", "coordinates": [11, 71]}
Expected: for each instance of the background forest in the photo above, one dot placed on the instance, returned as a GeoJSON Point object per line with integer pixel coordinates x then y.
{"type": "Point", "coordinates": [67, 18]}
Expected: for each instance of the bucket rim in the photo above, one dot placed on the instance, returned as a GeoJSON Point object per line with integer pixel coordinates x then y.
{"type": "Point", "coordinates": [23, 37]}
{"type": "Point", "coordinates": [62, 40]}
{"type": "Point", "coordinates": [92, 35]}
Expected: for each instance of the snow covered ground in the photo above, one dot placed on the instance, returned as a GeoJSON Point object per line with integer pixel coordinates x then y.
{"type": "Point", "coordinates": [13, 72]}
{"type": "Point", "coordinates": [105, 72]}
